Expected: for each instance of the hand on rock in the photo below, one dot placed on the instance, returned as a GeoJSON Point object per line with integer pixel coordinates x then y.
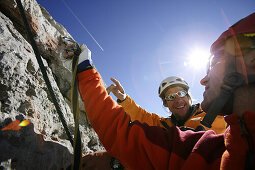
{"type": "Point", "coordinates": [72, 48]}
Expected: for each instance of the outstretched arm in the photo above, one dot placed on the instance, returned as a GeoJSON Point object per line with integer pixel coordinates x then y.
{"type": "Point", "coordinates": [126, 141]}
{"type": "Point", "coordinates": [135, 111]}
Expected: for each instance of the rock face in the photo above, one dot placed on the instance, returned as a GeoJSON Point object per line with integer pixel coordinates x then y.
{"type": "Point", "coordinates": [23, 93]}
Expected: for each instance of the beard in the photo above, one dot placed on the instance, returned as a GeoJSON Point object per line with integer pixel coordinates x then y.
{"type": "Point", "coordinates": [226, 109]}
{"type": "Point", "coordinates": [207, 101]}
{"type": "Point", "coordinates": [204, 106]}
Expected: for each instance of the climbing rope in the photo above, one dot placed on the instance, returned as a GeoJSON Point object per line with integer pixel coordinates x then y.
{"type": "Point", "coordinates": [75, 104]}
{"type": "Point", "coordinates": [74, 100]}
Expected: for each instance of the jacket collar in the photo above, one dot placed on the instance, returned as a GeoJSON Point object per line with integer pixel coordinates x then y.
{"type": "Point", "coordinates": [193, 110]}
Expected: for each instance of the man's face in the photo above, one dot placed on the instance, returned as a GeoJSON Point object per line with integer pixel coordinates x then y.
{"type": "Point", "coordinates": [213, 80]}
{"type": "Point", "coordinates": [180, 105]}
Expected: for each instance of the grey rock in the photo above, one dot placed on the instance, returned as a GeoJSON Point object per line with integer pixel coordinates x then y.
{"type": "Point", "coordinates": [23, 93]}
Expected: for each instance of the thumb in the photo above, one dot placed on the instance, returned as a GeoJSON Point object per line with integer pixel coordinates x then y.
{"type": "Point", "coordinates": [110, 88]}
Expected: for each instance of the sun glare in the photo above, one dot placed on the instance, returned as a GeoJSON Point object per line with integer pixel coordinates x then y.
{"type": "Point", "coordinates": [197, 59]}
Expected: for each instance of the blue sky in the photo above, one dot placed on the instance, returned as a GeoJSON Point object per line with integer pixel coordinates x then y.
{"type": "Point", "coordinates": [141, 42]}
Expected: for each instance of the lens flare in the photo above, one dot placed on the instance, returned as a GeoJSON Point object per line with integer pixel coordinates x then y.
{"type": "Point", "coordinates": [16, 125]}
{"type": "Point", "coordinates": [24, 123]}
{"type": "Point", "coordinates": [13, 126]}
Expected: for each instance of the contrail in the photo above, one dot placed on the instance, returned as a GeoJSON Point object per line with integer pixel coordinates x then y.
{"type": "Point", "coordinates": [83, 26]}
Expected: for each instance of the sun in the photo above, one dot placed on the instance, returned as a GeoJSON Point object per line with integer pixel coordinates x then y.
{"type": "Point", "coordinates": [197, 58]}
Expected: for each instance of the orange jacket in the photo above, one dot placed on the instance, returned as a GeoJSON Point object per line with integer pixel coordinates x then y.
{"type": "Point", "coordinates": [137, 113]}
{"type": "Point", "coordinates": [140, 146]}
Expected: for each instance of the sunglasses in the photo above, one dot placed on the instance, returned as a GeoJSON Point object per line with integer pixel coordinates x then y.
{"type": "Point", "coordinates": [244, 49]}
{"type": "Point", "coordinates": [172, 96]}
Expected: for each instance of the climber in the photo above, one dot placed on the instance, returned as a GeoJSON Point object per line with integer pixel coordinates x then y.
{"type": "Point", "coordinates": [229, 89]}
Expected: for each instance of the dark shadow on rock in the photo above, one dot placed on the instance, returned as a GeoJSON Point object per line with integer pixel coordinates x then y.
{"type": "Point", "coordinates": [24, 150]}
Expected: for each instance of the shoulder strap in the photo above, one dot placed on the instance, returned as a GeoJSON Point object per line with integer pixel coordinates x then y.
{"type": "Point", "coordinates": [163, 122]}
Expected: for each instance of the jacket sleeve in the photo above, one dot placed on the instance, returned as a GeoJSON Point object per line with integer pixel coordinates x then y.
{"type": "Point", "coordinates": [137, 113]}
{"type": "Point", "coordinates": [126, 141]}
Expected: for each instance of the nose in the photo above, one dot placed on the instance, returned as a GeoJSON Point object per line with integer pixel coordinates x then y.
{"type": "Point", "coordinates": [177, 98]}
{"type": "Point", "coordinates": [204, 80]}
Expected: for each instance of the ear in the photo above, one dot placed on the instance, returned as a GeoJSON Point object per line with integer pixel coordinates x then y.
{"type": "Point", "coordinates": [164, 102]}
{"type": "Point", "coordinates": [250, 62]}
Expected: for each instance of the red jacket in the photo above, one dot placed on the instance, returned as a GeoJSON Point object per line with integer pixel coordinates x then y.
{"type": "Point", "coordinates": [140, 146]}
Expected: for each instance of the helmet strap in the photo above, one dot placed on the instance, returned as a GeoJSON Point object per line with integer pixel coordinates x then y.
{"type": "Point", "coordinates": [230, 83]}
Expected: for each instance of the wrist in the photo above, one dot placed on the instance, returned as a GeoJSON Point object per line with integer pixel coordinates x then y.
{"type": "Point", "coordinates": [85, 65]}
{"type": "Point", "coordinates": [122, 99]}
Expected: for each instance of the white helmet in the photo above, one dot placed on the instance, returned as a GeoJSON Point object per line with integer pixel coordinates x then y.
{"type": "Point", "coordinates": [172, 81]}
